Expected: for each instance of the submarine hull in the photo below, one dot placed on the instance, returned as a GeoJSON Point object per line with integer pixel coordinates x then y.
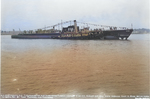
{"type": "Point", "coordinates": [107, 34]}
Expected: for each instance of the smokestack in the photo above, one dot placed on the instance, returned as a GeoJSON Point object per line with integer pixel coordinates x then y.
{"type": "Point", "coordinates": [75, 26]}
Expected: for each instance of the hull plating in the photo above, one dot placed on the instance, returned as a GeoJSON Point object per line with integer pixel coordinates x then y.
{"type": "Point", "coordinates": [109, 34]}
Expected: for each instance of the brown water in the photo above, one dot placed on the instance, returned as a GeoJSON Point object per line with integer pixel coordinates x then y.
{"type": "Point", "coordinates": [94, 67]}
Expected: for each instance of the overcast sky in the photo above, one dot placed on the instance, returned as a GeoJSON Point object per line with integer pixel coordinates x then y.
{"type": "Point", "coordinates": [33, 14]}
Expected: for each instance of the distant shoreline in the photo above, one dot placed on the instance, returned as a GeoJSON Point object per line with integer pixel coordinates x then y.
{"type": "Point", "coordinates": [10, 32]}
{"type": "Point", "coordinates": [135, 31]}
{"type": "Point", "coordinates": [18, 33]}
{"type": "Point", "coordinates": [140, 33]}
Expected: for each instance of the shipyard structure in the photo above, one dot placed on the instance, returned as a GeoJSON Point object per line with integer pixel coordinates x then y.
{"type": "Point", "coordinates": [76, 33]}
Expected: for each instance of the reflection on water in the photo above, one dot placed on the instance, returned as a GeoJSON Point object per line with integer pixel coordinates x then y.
{"type": "Point", "coordinates": [75, 67]}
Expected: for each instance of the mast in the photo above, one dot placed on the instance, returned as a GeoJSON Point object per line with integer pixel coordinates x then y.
{"type": "Point", "coordinates": [61, 26]}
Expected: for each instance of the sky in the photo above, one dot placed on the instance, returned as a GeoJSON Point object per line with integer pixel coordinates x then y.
{"type": "Point", "coordinates": [34, 14]}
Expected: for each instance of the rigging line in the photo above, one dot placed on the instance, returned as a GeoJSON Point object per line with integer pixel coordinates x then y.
{"type": "Point", "coordinates": [99, 25]}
